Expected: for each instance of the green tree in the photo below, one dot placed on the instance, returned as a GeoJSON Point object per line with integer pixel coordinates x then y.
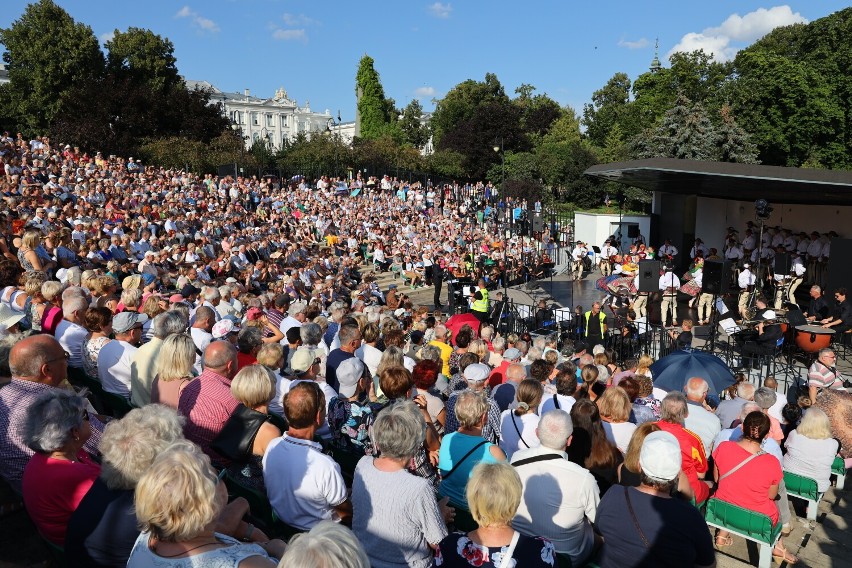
{"type": "Point", "coordinates": [447, 163]}
{"type": "Point", "coordinates": [734, 143]}
{"type": "Point", "coordinates": [414, 131]}
{"type": "Point", "coordinates": [607, 108]}
{"type": "Point", "coordinates": [538, 112]}
{"type": "Point", "coordinates": [145, 57]}
{"type": "Point", "coordinates": [461, 103]}
{"type": "Point", "coordinates": [47, 54]}
{"type": "Point", "coordinates": [685, 132]}
{"type": "Point", "coordinates": [374, 110]}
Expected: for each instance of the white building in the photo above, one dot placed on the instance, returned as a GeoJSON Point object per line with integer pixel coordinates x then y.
{"type": "Point", "coordinates": [278, 119]}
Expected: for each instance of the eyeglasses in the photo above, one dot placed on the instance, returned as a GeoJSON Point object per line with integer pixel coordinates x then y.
{"type": "Point", "coordinates": [65, 355]}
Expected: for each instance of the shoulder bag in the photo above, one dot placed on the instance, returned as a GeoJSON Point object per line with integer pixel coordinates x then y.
{"type": "Point", "coordinates": [467, 455]}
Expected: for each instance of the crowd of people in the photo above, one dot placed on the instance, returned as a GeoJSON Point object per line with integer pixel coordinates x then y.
{"type": "Point", "coordinates": [240, 326]}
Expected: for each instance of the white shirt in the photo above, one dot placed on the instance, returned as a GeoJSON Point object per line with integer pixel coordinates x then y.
{"type": "Point", "coordinates": [370, 356]}
{"type": "Point", "coordinates": [302, 483]}
{"type": "Point", "coordinates": [669, 280]}
{"type": "Point", "coordinates": [114, 361]}
{"type": "Point", "coordinates": [704, 424]}
{"type": "Point", "coordinates": [286, 324]}
{"type": "Point", "coordinates": [560, 502]}
{"type": "Point", "coordinates": [201, 339]}
{"type": "Point", "coordinates": [72, 338]}
{"type": "Point", "coordinates": [746, 279]}
{"type": "Point", "coordinates": [668, 250]}
{"type": "Point", "coordinates": [547, 403]}
{"type": "Point", "coordinates": [518, 432]}
{"type": "Point", "coordinates": [619, 433]}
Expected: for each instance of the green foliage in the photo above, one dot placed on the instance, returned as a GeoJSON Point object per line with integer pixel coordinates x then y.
{"type": "Point", "coordinates": [374, 110]}
{"type": "Point", "coordinates": [145, 57]}
{"type": "Point", "coordinates": [460, 105]}
{"type": "Point", "coordinates": [447, 163]}
{"type": "Point", "coordinates": [413, 129]}
{"type": "Point", "coordinates": [385, 155]}
{"type": "Point", "coordinates": [607, 108]}
{"type": "Point", "coordinates": [317, 155]}
{"type": "Point", "coordinates": [47, 54]}
{"type": "Point", "coordinates": [179, 152]}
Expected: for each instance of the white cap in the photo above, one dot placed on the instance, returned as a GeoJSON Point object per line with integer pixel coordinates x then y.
{"type": "Point", "coordinates": [660, 456]}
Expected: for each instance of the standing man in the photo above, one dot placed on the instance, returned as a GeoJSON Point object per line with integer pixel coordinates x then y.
{"type": "Point", "coordinates": [438, 281]}
{"type": "Point", "coordinates": [479, 307]}
{"type": "Point", "coordinates": [607, 252]}
{"type": "Point", "coordinates": [596, 323]}
{"type": "Point", "coordinates": [746, 281]}
{"type": "Point", "coordinates": [669, 285]}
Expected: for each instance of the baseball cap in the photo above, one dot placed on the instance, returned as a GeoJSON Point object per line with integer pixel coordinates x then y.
{"type": "Point", "coordinates": [125, 321]}
{"type": "Point", "coordinates": [660, 457]}
{"type": "Point", "coordinates": [189, 290]}
{"type": "Point", "coordinates": [349, 372]}
{"type": "Point", "coordinates": [512, 353]}
{"type": "Point", "coordinates": [223, 327]}
{"type": "Point", "coordinates": [477, 372]}
{"type": "Point", "coordinates": [302, 360]}
{"type": "Point", "coordinates": [416, 336]}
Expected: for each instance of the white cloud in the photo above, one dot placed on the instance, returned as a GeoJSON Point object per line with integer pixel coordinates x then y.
{"type": "Point", "coordinates": [298, 20]}
{"type": "Point", "coordinates": [741, 29]}
{"type": "Point", "coordinates": [197, 19]}
{"type": "Point", "coordinates": [290, 35]}
{"type": "Point", "coordinates": [103, 38]}
{"type": "Point", "coordinates": [423, 92]}
{"type": "Point", "coordinates": [441, 10]}
{"type": "Point", "coordinates": [638, 44]}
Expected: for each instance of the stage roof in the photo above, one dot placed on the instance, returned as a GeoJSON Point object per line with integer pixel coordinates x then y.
{"type": "Point", "coordinates": [725, 180]}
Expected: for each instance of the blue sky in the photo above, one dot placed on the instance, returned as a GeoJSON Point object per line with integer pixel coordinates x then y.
{"type": "Point", "coordinates": [423, 48]}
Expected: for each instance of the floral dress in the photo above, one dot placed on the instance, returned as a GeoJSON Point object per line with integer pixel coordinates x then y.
{"type": "Point", "coordinates": [90, 355]}
{"type": "Point", "coordinates": [457, 550]}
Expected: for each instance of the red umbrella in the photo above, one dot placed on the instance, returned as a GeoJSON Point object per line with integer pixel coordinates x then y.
{"type": "Point", "coordinates": [455, 323]}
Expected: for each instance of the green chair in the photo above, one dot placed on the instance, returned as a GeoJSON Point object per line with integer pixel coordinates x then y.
{"type": "Point", "coordinates": [838, 468]}
{"type": "Point", "coordinates": [805, 488]}
{"type": "Point", "coordinates": [116, 404]}
{"type": "Point", "coordinates": [752, 526]}
{"type": "Point", "coordinates": [259, 507]}
{"type": "Point", "coordinates": [56, 552]}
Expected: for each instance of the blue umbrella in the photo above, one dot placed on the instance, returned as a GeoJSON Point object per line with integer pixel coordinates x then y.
{"type": "Point", "coordinates": [672, 372]}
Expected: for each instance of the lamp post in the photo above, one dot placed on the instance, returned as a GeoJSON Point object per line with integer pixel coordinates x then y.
{"type": "Point", "coordinates": [502, 174]}
{"type": "Point", "coordinates": [239, 131]}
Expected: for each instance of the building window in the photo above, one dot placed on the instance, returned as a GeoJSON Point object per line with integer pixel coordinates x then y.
{"type": "Point", "coordinates": [269, 120]}
{"type": "Point", "coordinates": [254, 119]}
{"type": "Point", "coordinates": [235, 117]}
{"type": "Point", "coordinates": [283, 121]}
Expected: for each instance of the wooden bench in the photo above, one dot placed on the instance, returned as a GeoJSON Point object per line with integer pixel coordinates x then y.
{"type": "Point", "coordinates": [752, 526]}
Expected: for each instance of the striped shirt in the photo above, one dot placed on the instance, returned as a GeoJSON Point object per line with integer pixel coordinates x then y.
{"type": "Point", "coordinates": [207, 404]}
{"type": "Point", "coordinates": [824, 377]}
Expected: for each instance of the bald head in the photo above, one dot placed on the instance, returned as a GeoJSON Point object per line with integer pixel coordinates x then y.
{"type": "Point", "coordinates": [220, 357]}
{"type": "Point", "coordinates": [696, 389]}
{"type": "Point", "coordinates": [516, 373]}
{"type": "Point", "coordinates": [40, 359]}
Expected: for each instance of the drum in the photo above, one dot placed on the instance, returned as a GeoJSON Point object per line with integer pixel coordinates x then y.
{"type": "Point", "coordinates": [812, 338]}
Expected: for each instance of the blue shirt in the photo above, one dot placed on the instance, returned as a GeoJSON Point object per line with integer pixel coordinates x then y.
{"type": "Point", "coordinates": [453, 448]}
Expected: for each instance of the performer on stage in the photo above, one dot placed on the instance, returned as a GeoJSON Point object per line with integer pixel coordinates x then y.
{"type": "Point", "coordinates": [746, 281]}
{"type": "Point", "coordinates": [692, 280]}
{"type": "Point", "coordinates": [607, 253]}
{"type": "Point", "coordinates": [669, 285]}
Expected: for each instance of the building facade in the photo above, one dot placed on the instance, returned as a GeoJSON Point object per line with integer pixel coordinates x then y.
{"type": "Point", "coordinates": [278, 119]}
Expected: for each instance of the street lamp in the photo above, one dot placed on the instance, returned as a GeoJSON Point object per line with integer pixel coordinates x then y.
{"type": "Point", "coordinates": [239, 131]}
{"type": "Point", "coordinates": [499, 148]}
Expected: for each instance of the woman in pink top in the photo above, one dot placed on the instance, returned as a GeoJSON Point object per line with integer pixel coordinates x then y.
{"type": "Point", "coordinates": [60, 472]}
{"type": "Point", "coordinates": [174, 369]}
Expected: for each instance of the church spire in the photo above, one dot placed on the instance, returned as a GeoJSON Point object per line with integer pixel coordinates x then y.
{"type": "Point", "coordinates": [655, 63]}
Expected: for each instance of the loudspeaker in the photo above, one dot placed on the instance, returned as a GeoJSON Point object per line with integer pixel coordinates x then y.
{"type": "Point", "coordinates": [537, 224]}
{"type": "Point", "coordinates": [839, 266]}
{"type": "Point", "coordinates": [781, 264]}
{"type": "Point", "coordinates": [632, 231]}
{"type": "Point", "coordinates": [716, 277]}
{"type": "Point", "coordinates": [649, 275]}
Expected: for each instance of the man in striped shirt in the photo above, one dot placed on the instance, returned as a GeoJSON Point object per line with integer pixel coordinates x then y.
{"type": "Point", "coordinates": [823, 374]}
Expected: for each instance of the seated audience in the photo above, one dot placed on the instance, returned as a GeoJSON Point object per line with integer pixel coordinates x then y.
{"type": "Point", "coordinates": [590, 448]}
{"type": "Point", "coordinates": [173, 370]}
{"type": "Point", "coordinates": [643, 526]}
{"type": "Point", "coordinates": [560, 498]}
{"type": "Point", "coordinates": [615, 406]}
{"type": "Point", "coordinates": [178, 501]}
{"type": "Point", "coordinates": [395, 515]}
{"type": "Point", "coordinates": [327, 544]}
{"type": "Point", "coordinates": [674, 412]}
{"type": "Point", "coordinates": [518, 425]}
{"type": "Point", "coordinates": [811, 449]}
{"type": "Point", "coordinates": [60, 472]}
{"type": "Point", "coordinates": [494, 493]}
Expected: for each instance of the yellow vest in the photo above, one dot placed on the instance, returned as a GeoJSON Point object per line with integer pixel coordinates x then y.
{"type": "Point", "coordinates": [481, 305]}
{"type": "Point", "coordinates": [601, 317]}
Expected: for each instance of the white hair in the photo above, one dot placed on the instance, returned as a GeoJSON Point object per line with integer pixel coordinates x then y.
{"type": "Point", "coordinates": [554, 429]}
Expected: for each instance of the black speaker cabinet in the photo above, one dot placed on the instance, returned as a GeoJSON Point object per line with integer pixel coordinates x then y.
{"type": "Point", "coordinates": [649, 275]}
{"type": "Point", "coordinates": [716, 277]}
{"type": "Point", "coordinates": [781, 263]}
{"type": "Point", "coordinates": [839, 266]}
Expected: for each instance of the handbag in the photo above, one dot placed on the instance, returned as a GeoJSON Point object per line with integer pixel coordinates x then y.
{"type": "Point", "coordinates": [236, 439]}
